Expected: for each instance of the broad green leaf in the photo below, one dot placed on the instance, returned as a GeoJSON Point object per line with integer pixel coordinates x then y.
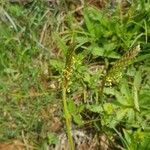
{"type": "Point", "coordinates": [136, 87]}
{"type": "Point", "coordinates": [78, 119]}
{"type": "Point", "coordinates": [119, 117]}
{"type": "Point", "coordinates": [57, 64]}
{"type": "Point", "coordinates": [89, 23]}
{"type": "Point", "coordinates": [127, 136]}
{"type": "Point", "coordinates": [142, 57]}
{"type": "Point", "coordinates": [110, 91]}
{"type": "Point", "coordinates": [137, 80]}
{"type": "Point", "coordinates": [97, 51]}
{"type": "Point", "coordinates": [108, 107]}
{"type": "Point", "coordinates": [109, 46]}
{"type": "Point", "coordinates": [95, 108]}
{"type": "Point", "coordinates": [112, 54]}
{"type": "Point", "coordinates": [125, 91]}
{"type": "Point", "coordinates": [81, 108]}
{"type": "Point", "coordinates": [52, 138]}
{"type": "Point", "coordinates": [131, 115]}
{"type": "Point", "coordinates": [121, 114]}
{"type": "Point", "coordinates": [121, 99]}
{"type": "Point", "coordinates": [81, 40]}
{"type": "Point", "coordinates": [72, 107]}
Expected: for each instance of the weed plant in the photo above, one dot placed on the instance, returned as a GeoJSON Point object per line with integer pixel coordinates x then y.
{"type": "Point", "coordinates": [101, 63]}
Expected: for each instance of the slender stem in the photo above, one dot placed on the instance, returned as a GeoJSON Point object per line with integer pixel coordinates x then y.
{"type": "Point", "coordinates": [68, 119]}
{"type": "Point", "coordinates": [65, 83]}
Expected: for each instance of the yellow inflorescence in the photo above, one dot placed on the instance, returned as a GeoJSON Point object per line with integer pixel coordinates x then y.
{"type": "Point", "coordinates": [115, 72]}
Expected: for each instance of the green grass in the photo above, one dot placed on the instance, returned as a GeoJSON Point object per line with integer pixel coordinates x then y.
{"type": "Point", "coordinates": [24, 72]}
{"type": "Point", "coordinates": [108, 86]}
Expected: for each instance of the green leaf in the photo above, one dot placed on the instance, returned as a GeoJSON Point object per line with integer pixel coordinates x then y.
{"type": "Point", "coordinates": [121, 99]}
{"type": "Point", "coordinates": [108, 107]}
{"type": "Point", "coordinates": [127, 136]}
{"type": "Point", "coordinates": [95, 108]}
{"type": "Point", "coordinates": [136, 87]}
{"type": "Point", "coordinates": [112, 54]}
{"type": "Point", "coordinates": [81, 40]}
{"type": "Point", "coordinates": [109, 46]}
{"type": "Point", "coordinates": [72, 107]}
{"type": "Point", "coordinates": [61, 43]}
{"type": "Point", "coordinates": [137, 80]}
{"type": "Point", "coordinates": [109, 91]}
{"type": "Point", "coordinates": [80, 108]}
{"type": "Point", "coordinates": [57, 64]}
{"type": "Point", "coordinates": [78, 119]}
{"type": "Point", "coordinates": [136, 100]}
{"type": "Point", "coordinates": [121, 114]}
{"type": "Point", "coordinates": [125, 91]}
{"type": "Point", "coordinates": [89, 23]}
{"type": "Point", "coordinates": [52, 138]}
{"type": "Point", "coordinates": [131, 115]}
{"type": "Point", "coordinates": [96, 51]}
{"type": "Point", "coordinates": [142, 57]}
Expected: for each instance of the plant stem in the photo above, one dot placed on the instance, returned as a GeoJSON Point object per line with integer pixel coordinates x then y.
{"type": "Point", "coordinates": [65, 83]}
{"type": "Point", "coordinates": [68, 119]}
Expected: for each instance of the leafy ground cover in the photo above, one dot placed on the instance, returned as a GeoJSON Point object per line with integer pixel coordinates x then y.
{"type": "Point", "coordinates": [70, 66]}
